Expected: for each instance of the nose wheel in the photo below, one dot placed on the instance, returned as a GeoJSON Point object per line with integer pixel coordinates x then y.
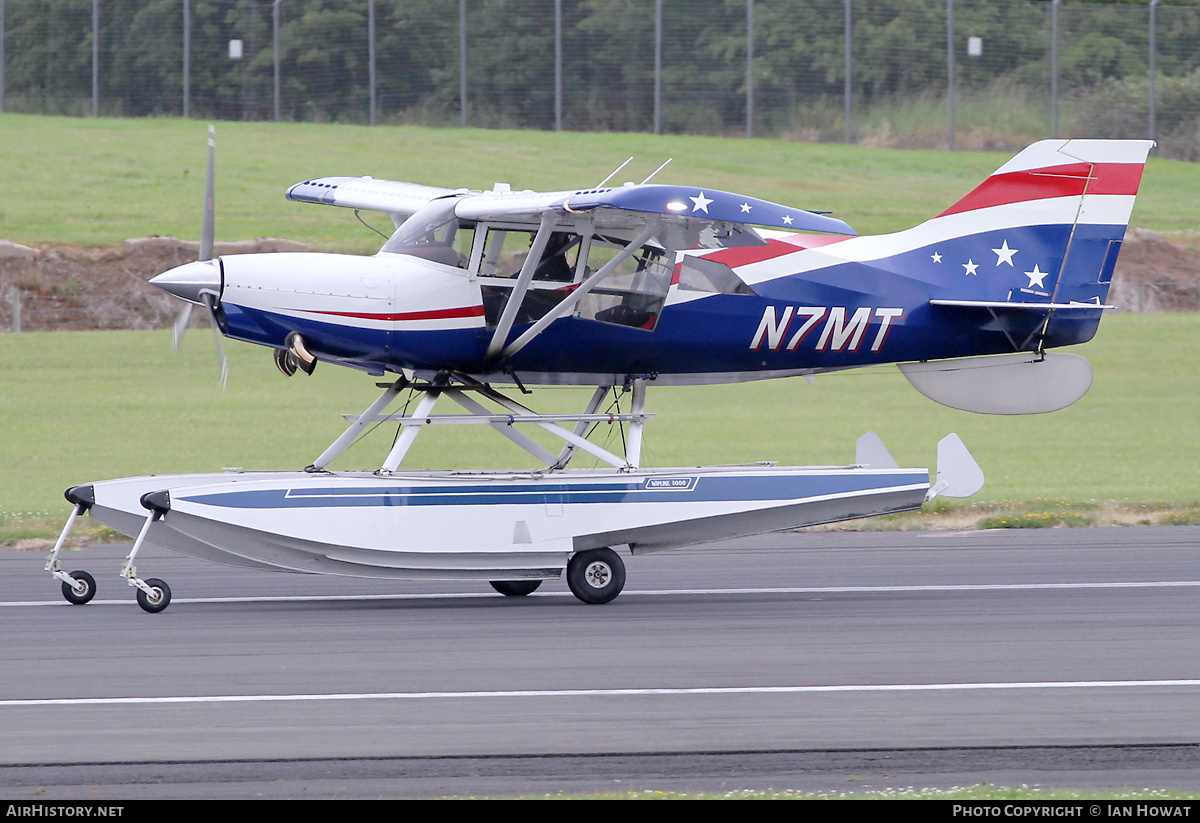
{"type": "Point", "coordinates": [83, 590]}
{"type": "Point", "coordinates": [157, 599]}
{"type": "Point", "coordinates": [596, 575]}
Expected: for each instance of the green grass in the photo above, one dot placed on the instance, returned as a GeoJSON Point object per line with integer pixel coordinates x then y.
{"type": "Point", "coordinates": [81, 181]}
{"type": "Point", "coordinates": [84, 406]}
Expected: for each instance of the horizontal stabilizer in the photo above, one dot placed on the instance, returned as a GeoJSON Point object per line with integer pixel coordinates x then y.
{"type": "Point", "coordinates": [1000, 306]}
{"type": "Point", "coordinates": [1003, 384]}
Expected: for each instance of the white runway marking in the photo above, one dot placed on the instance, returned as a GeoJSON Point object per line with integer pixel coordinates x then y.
{"type": "Point", "coordinates": [488, 695]}
{"type": "Point", "coordinates": [1159, 584]}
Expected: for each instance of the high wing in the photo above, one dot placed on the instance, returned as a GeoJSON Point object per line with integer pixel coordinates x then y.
{"type": "Point", "coordinates": [397, 200]}
{"type": "Point", "coordinates": [624, 207]}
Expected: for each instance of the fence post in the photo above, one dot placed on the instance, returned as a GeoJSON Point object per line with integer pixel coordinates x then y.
{"type": "Point", "coordinates": [558, 84]}
{"type": "Point", "coordinates": [1, 56]}
{"type": "Point", "coordinates": [187, 58]}
{"type": "Point", "coordinates": [846, 93]}
{"type": "Point", "coordinates": [371, 54]}
{"type": "Point", "coordinates": [749, 68]}
{"type": "Point", "coordinates": [658, 40]}
{"type": "Point", "coordinates": [275, 47]}
{"type": "Point", "coordinates": [1153, 72]}
{"type": "Point", "coordinates": [95, 58]}
{"type": "Point", "coordinates": [462, 59]}
{"type": "Point", "coordinates": [950, 72]}
{"type": "Point", "coordinates": [1054, 67]}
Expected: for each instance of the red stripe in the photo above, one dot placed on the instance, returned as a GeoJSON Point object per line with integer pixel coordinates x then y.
{"type": "Point", "coordinates": [745, 255]}
{"type": "Point", "coordinates": [436, 314]}
{"type": "Point", "coordinates": [1057, 181]}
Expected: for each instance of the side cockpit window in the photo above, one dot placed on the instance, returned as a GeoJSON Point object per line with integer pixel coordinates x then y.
{"type": "Point", "coordinates": [702, 274]}
{"type": "Point", "coordinates": [505, 252]}
{"type": "Point", "coordinates": [632, 286]}
{"type": "Point", "coordinates": [633, 291]}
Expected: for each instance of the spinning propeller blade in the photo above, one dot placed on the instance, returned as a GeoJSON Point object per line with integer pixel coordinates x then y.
{"type": "Point", "coordinates": [207, 241]}
{"type": "Point", "coordinates": [210, 301]}
{"type": "Point", "coordinates": [207, 229]}
{"type": "Point", "coordinates": [181, 323]}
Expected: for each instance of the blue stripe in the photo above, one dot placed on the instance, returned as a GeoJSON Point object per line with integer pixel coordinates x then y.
{"type": "Point", "coordinates": [705, 489]}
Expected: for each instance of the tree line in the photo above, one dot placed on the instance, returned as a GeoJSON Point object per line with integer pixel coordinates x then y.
{"type": "Point", "coordinates": [608, 57]}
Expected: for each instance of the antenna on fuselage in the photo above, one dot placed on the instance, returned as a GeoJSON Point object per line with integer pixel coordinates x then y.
{"type": "Point", "coordinates": [614, 173]}
{"type": "Point", "coordinates": [656, 171]}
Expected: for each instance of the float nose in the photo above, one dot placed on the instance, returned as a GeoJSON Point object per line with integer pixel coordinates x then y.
{"type": "Point", "coordinates": [191, 281]}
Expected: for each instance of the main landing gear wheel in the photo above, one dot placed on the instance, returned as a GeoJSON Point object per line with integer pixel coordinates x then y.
{"type": "Point", "coordinates": [75, 596]}
{"type": "Point", "coordinates": [159, 600]}
{"type": "Point", "coordinates": [596, 575]}
{"type": "Point", "coordinates": [516, 588]}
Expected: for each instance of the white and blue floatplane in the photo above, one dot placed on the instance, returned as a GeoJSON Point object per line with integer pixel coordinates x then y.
{"type": "Point", "coordinates": [621, 288]}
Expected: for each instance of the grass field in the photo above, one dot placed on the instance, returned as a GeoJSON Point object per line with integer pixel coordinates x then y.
{"type": "Point", "coordinates": [79, 406]}
{"type": "Point", "coordinates": [97, 182]}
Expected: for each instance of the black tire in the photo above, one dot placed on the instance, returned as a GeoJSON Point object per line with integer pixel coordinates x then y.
{"type": "Point", "coordinates": [596, 575]}
{"type": "Point", "coordinates": [156, 604]}
{"type": "Point", "coordinates": [75, 597]}
{"type": "Point", "coordinates": [516, 588]}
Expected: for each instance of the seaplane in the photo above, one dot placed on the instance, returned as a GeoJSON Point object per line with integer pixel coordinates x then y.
{"type": "Point", "coordinates": [621, 288]}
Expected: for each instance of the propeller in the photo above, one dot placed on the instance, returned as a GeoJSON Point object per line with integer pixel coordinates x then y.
{"type": "Point", "coordinates": [200, 282]}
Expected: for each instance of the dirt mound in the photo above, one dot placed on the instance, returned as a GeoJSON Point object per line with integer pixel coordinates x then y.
{"type": "Point", "coordinates": [1154, 274]}
{"type": "Point", "coordinates": [75, 289]}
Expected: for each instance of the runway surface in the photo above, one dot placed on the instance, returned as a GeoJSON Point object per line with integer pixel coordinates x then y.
{"type": "Point", "coordinates": [833, 661]}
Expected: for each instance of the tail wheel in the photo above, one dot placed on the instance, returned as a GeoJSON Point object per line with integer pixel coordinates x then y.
{"type": "Point", "coordinates": [159, 600]}
{"type": "Point", "coordinates": [516, 588]}
{"type": "Point", "coordinates": [83, 594]}
{"type": "Point", "coordinates": [596, 575]}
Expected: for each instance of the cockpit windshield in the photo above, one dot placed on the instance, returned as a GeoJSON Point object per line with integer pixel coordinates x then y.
{"type": "Point", "coordinates": [434, 233]}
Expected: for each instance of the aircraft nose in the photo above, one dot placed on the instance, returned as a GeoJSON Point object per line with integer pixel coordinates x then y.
{"type": "Point", "coordinates": [191, 280]}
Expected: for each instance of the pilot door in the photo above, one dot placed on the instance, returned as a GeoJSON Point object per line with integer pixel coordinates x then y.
{"type": "Point", "coordinates": [630, 294]}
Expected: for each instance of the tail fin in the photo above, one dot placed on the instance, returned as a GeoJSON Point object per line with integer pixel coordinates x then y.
{"type": "Point", "coordinates": [1054, 217]}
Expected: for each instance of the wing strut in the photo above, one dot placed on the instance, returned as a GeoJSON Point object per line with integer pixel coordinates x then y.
{"type": "Point", "coordinates": [549, 219]}
{"type": "Point", "coordinates": [512, 414]}
{"type": "Point", "coordinates": [581, 427]}
{"type": "Point", "coordinates": [568, 304]}
{"type": "Point", "coordinates": [358, 425]}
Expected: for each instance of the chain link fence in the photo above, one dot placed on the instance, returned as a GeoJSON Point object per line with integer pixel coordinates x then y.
{"type": "Point", "coordinates": [933, 73]}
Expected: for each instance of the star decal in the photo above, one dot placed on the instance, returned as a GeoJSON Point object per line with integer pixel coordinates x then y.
{"type": "Point", "coordinates": [935, 257]}
{"type": "Point", "coordinates": [970, 266]}
{"type": "Point", "coordinates": [1004, 254]}
{"type": "Point", "coordinates": [787, 218]}
{"type": "Point", "coordinates": [745, 208]}
{"type": "Point", "coordinates": [701, 203]}
{"type": "Point", "coordinates": [1036, 277]}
